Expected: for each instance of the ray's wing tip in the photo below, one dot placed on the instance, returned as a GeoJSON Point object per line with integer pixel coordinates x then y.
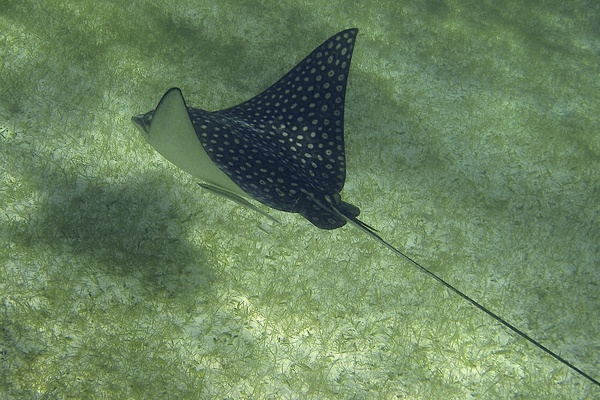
{"type": "Point", "coordinates": [173, 89]}
{"type": "Point", "coordinates": [353, 30]}
{"type": "Point", "coordinates": [350, 31]}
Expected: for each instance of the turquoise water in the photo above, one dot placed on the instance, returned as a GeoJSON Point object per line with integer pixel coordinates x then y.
{"type": "Point", "coordinates": [472, 143]}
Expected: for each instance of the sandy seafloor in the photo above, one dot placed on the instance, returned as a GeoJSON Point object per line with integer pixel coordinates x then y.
{"type": "Point", "coordinates": [472, 143]}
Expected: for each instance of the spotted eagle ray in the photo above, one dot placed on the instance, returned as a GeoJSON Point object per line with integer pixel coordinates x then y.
{"type": "Point", "coordinates": [283, 148]}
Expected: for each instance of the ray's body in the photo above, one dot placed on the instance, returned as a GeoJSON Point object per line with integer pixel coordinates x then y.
{"type": "Point", "coordinates": [283, 148]}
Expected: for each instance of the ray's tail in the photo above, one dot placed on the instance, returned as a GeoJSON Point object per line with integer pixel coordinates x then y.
{"type": "Point", "coordinates": [332, 204]}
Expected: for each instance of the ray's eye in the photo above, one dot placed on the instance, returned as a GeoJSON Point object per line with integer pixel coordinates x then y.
{"type": "Point", "coordinates": [148, 117]}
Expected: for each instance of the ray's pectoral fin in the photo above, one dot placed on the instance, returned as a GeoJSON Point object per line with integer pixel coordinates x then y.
{"type": "Point", "coordinates": [171, 132]}
{"type": "Point", "coordinates": [238, 199]}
